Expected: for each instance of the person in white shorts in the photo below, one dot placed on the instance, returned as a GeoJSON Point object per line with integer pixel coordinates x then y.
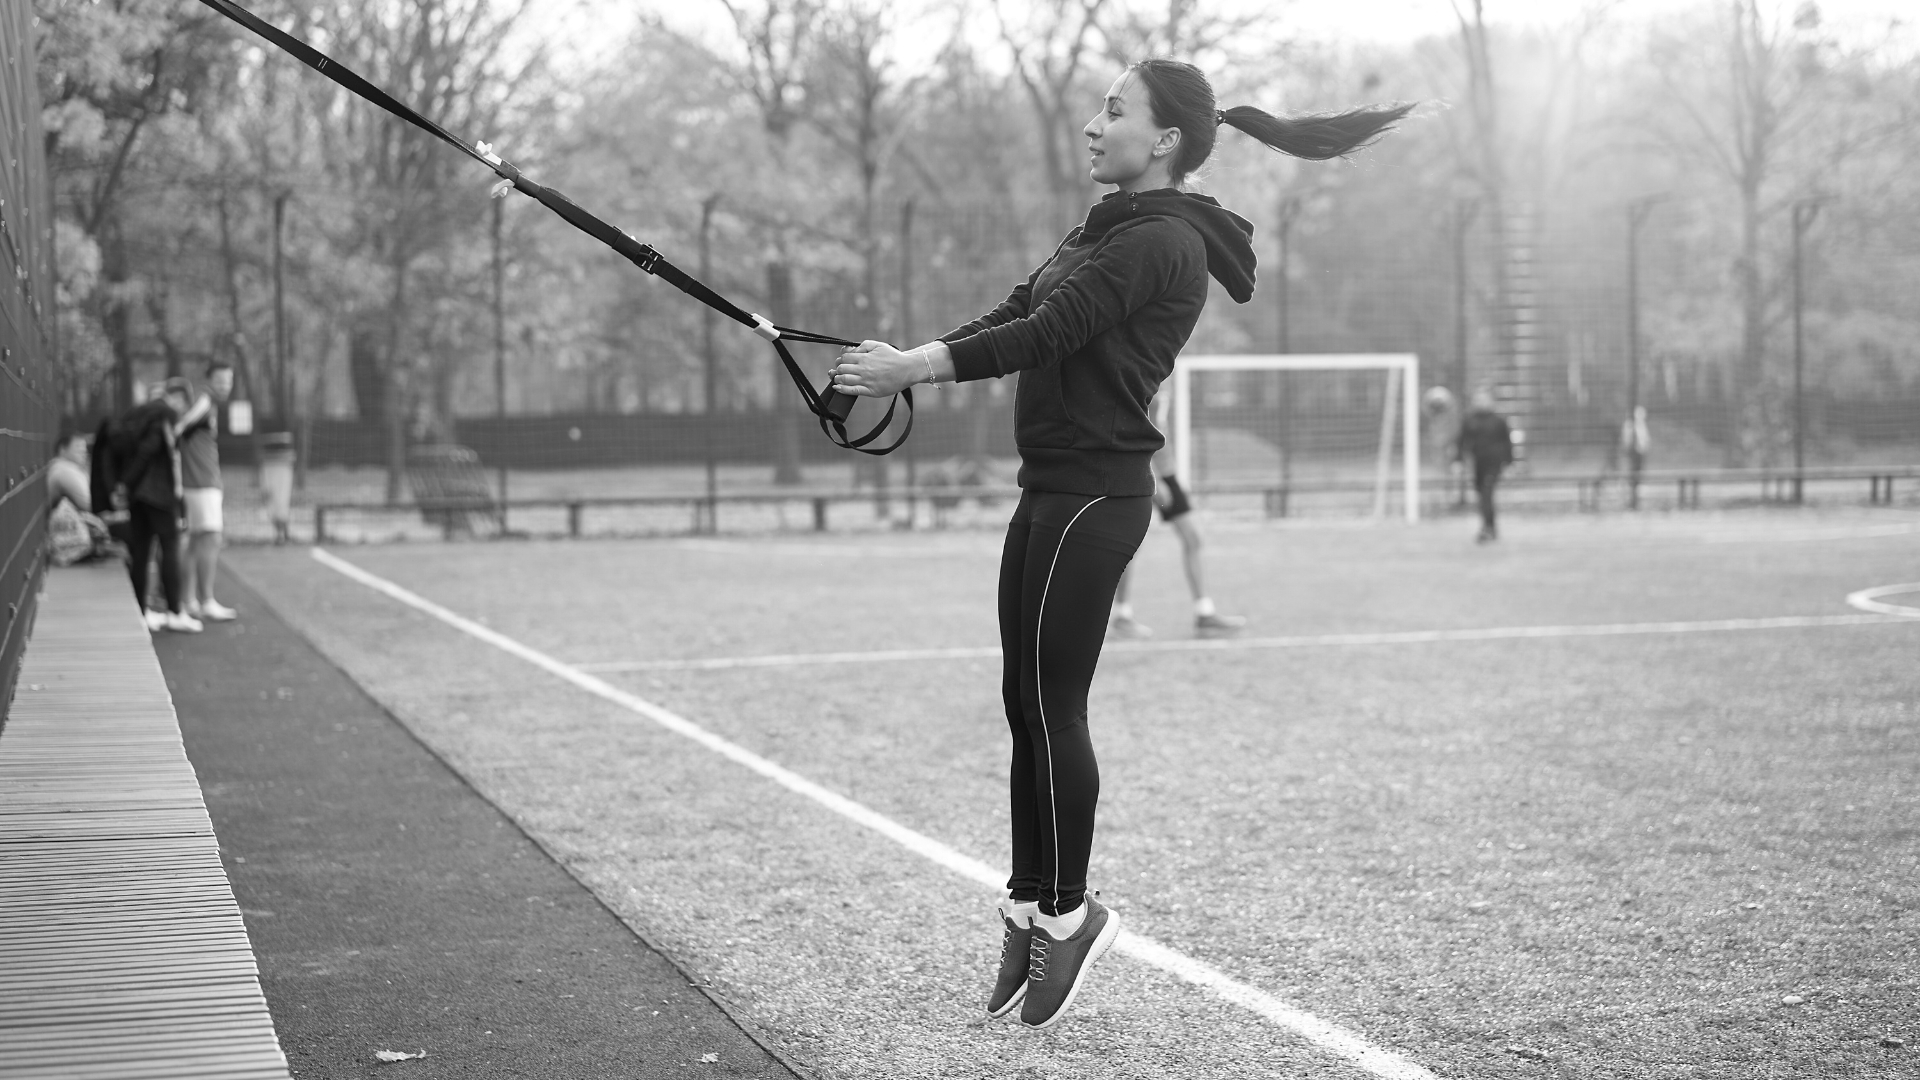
{"type": "Point", "coordinates": [198, 434]}
{"type": "Point", "coordinates": [1171, 500]}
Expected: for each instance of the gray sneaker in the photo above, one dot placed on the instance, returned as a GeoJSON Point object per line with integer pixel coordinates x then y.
{"type": "Point", "coordinates": [1128, 627]}
{"type": "Point", "coordinates": [1218, 625]}
{"type": "Point", "coordinates": [1056, 969]}
{"type": "Point", "coordinates": [1011, 984]}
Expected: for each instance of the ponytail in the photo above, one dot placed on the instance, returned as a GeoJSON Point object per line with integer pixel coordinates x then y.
{"type": "Point", "coordinates": [1316, 136]}
{"type": "Point", "coordinates": [1181, 97]}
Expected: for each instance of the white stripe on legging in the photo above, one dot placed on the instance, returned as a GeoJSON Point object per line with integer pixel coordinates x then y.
{"type": "Point", "coordinates": [1040, 696]}
{"type": "Point", "coordinates": [1335, 1040]}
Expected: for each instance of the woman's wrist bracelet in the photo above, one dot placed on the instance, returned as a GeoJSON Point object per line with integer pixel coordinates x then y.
{"type": "Point", "coordinates": [932, 380]}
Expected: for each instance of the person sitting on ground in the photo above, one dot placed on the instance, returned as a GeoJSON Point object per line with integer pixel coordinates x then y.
{"type": "Point", "coordinates": [198, 435]}
{"type": "Point", "coordinates": [74, 534]}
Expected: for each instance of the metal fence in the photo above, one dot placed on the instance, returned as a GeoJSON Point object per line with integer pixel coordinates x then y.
{"type": "Point", "coordinates": [28, 412]}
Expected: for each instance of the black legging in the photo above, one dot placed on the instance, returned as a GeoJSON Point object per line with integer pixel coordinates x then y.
{"type": "Point", "coordinates": [1063, 559]}
{"type": "Point", "coordinates": [1486, 475]}
{"type": "Point", "coordinates": [145, 524]}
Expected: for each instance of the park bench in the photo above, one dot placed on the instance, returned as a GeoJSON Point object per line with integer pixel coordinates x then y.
{"type": "Point", "coordinates": [122, 951]}
{"type": "Point", "coordinates": [452, 489]}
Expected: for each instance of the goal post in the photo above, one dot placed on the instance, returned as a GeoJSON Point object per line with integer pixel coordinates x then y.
{"type": "Point", "coordinates": [1399, 401]}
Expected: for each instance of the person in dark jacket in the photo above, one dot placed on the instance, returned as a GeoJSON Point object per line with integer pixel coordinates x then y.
{"type": "Point", "coordinates": [1485, 443]}
{"type": "Point", "coordinates": [147, 485]}
{"type": "Point", "coordinates": [1093, 332]}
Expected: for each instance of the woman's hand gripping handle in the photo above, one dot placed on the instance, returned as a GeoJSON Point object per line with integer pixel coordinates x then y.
{"type": "Point", "coordinates": [877, 369]}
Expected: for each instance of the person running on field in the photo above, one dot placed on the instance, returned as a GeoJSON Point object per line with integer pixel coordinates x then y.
{"type": "Point", "coordinates": [198, 433]}
{"type": "Point", "coordinates": [148, 484]}
{"type": "Point", "coordinates": [1486, 443]}
{"type": "Point", "coordinates": [1094, 331]}
{"type": "Point", "coordinates": [1171, 500]}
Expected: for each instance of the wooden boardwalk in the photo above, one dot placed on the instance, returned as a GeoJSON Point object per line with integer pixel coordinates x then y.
{"type": "Point", "coordinates": [122, 952]}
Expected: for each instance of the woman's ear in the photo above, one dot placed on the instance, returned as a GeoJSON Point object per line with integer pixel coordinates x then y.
{"type": "Point", "coordinates": [1167, 143]}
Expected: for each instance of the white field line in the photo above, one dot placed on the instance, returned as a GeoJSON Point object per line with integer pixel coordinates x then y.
{"type": "Point", "coordinates": [1886, 613]}
{"type": "Point", "coordinates": [1332, 1038]}
{"type": "Point", "coordinates": [1869, 600]}
{"type": "Point", "coordinates": [1818, 532]}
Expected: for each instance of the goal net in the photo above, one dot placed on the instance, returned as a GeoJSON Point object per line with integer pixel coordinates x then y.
{"type": "Point", "coordinates": [1299, 433]}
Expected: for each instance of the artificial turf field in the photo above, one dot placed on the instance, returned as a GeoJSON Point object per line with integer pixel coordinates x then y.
{"type": "Point", "coordinates": [1671, 850]}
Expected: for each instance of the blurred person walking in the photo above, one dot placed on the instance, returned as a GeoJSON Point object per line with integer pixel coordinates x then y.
{"type": "Point", "coordinates": [1485, 443]}
{"type": "Point", "coordinates": [1170, 499]}
{"type": "Point", "coordinates": [1094, 331]}
{"type": "Point", "coordinates": [198, 435]}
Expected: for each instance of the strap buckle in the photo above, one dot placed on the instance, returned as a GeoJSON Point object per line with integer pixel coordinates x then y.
{"type": "Point", "coordinates": [764, 327]}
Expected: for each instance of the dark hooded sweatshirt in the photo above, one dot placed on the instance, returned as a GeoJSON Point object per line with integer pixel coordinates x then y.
{"type": "Point", "coordinates": [1096, 329]}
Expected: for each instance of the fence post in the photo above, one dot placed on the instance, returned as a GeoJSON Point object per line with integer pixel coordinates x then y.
{"type": "Point", "coordinates": [573, 520]}
{"type": "Point", "coordinates": [819, 514]}
{"type": "Point", "coordinates": [319, 523]}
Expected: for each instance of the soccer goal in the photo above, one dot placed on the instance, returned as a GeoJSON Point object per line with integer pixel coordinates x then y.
{"type": "Point", "coordinates": [1289, 425]}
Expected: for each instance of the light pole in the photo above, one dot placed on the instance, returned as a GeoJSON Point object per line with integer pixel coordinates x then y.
{"type": "Point", "coordinates": [906, 335]}
{"type": "Point", "coordinates": [1465, 209]}
{"type": "Point", "coordinates": [281, 404]}
{"type": "Point", "coordinates": [1804, 211]}
{"type": "Point", "coordinates": [500, 353]}
{"type": "Point", "coordinates": [706, 346]}
{"type": "Point", "coordinates": [1289, 212]}
{"type": "Point", "coordinates": [1637, 213]}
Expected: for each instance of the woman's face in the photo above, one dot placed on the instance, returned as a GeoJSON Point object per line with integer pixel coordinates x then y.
{"type": "Point", "coordinates": [1122, 138]}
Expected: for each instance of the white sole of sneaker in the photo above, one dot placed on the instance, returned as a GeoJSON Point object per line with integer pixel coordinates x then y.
{"type": "Point", "coordinates": [1013, 1003]}
{"type": "Point", "coordinates": [1108, 934]}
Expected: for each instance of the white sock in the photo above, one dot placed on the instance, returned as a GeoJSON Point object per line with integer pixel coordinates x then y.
{"type": "Point", "coordinates": [1060, 927]}
{"type": "Point", "coordinates": [1021, 912]}
{"type": "Point", "coordinates": [1123, 611]}
{"type": "Point", "coordinates": [1203, 607]}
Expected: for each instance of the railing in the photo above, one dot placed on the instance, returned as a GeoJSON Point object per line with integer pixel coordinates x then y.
{"type": "Point", "coordinates": [703, 511]}
{"type": "Point", "coordinates": [703, 514]}
{"type": "Point", "coordinates": [1587, 490]}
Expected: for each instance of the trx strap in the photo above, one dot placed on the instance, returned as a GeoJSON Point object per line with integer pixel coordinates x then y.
{"type": "Point", "coordinates": [828, 405]}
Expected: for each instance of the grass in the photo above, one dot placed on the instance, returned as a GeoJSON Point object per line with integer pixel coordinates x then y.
{"type": "Point", "coordinates": [1682, 855]}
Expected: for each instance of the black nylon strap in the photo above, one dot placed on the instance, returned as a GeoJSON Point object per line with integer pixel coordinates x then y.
{"type": "Point", "coordinates": [828, 405]}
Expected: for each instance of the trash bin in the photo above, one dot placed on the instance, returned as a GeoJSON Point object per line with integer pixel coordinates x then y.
{"type": "Point", "coordinates": [276, 475]}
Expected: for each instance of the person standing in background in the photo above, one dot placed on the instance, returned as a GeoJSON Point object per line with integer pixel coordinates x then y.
{"type": "Point", "coordinates": [1170, 499]}
{"type": "Point", "coordinates": [146, 483]}
{"type": "Point", "coordinates": [198, 433]}
{"type": "Point", "coordinates": [1486, 442]}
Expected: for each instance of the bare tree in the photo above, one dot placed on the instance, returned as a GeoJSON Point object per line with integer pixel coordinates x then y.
{"type": "Point", "coordinates": [1768, 113]}
{"type": "Point", "coordinates": [446, 58]}
{"type": "Point", "coordinates": [779, 38]}
{"type": "Point", "coordinates": [1051, 48]}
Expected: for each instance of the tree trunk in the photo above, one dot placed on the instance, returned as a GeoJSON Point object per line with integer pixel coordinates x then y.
{"type": "Point", "coordinates": [364, 374]}
{"type": "Point", "coordinates": [115, 319]}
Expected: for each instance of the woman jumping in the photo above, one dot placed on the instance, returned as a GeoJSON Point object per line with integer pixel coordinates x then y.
{"type": "Point", "coordinates": [1096, 329]}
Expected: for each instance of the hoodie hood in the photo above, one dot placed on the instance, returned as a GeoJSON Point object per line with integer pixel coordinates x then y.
{"type": "Point", "coordinates": [1228, 236]}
